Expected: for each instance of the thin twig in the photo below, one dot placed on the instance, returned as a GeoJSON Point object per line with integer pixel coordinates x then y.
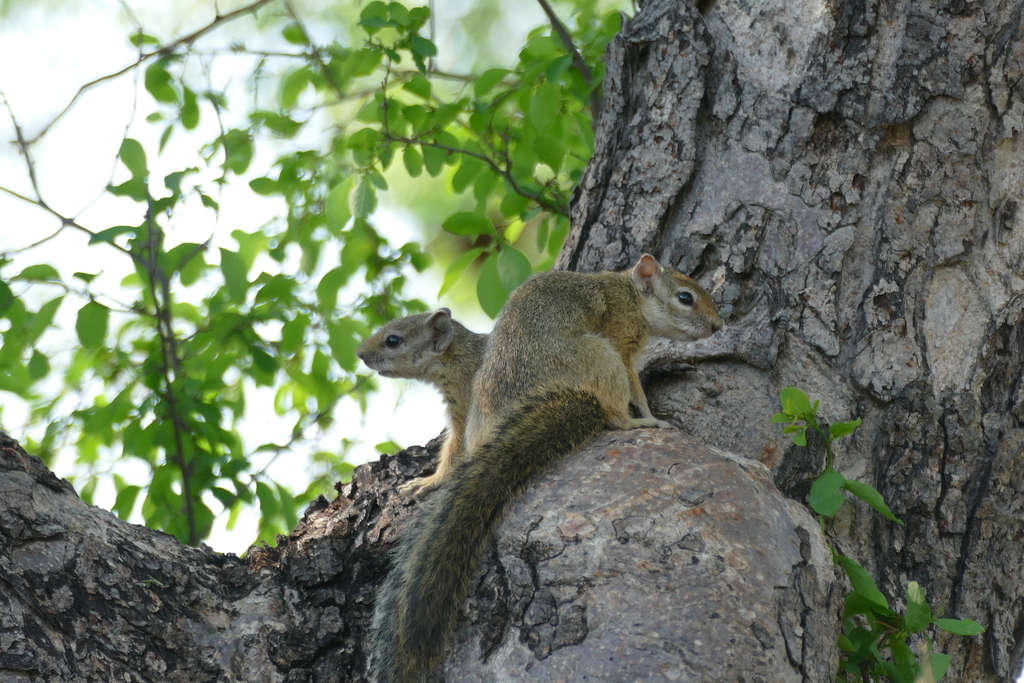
{"type": "Point", "coordinates": [577, 58]}
{"type": "Point", "coordinates": [39, 201]}
{"type": "Point", "coordinates": [165, 50]}
{"type": "Point", "coordinates": [171, 365]}
{"type": "Point", "coordinates": [503, 172]}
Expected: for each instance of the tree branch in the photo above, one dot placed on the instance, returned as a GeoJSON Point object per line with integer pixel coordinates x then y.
{"type": "Point", "coordinates": [165, 50]}
{"type": "Point", "coordinates": [503, 172]}
{"type": "Point", "coordinates": [577, 58]}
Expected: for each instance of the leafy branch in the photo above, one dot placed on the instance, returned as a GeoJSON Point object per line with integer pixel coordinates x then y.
{"type": "Point", "coordinates": [887, 631]}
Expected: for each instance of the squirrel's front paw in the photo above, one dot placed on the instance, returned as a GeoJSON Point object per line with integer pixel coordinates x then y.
{"type": "Point", "coordinates": [420, 484]}
{"type": "Point", "coordinates": [639, 422]}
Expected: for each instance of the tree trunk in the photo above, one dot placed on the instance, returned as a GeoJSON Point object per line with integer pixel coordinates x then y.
{"type": "Point", "coordinates": [847, 177]}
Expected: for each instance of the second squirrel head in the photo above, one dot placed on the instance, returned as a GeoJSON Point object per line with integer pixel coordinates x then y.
{"type": "Point", "coordinates": [675, 306]}
{"type": "Point", "coordinates": [403, 347]}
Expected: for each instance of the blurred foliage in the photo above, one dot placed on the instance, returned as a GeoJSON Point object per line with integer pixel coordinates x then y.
{"type": "Point", "coordinates": [165, 378]}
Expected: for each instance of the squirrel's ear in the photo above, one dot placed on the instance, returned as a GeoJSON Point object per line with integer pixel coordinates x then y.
{"type": "Point", "coordinates": [646, 272]}
{"type": "Point", "coordinates": [440, 324]}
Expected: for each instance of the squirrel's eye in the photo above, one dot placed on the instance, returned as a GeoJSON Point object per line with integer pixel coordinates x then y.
{"type": "Point", "coordinates": [685, 298]}
{"type": "Point", "coordinates": [392, 341]}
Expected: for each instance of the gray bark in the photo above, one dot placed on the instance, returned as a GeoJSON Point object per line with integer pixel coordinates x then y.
{"type": "Point", "coordinates": [644, 558]}
{"type": "Point", "coordinates": [847, 177]}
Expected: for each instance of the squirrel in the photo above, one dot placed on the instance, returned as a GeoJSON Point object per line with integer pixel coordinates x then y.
{"type": "Point", "coordinates": [558, 369]}
{"type": "Point", "coordinates": [433, 348]}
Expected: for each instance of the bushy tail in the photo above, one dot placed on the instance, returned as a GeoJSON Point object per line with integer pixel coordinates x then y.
{"type": "Point", "coordinates": [419, 602]}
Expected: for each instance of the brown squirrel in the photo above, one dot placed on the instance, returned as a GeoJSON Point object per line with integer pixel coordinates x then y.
{"type": "Point", "coordinates": [432, 348]}
{"type": "Point", "coordinates": [557, 370]}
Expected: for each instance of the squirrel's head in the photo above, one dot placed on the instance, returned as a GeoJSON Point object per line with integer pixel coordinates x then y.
{"type": "Point", "coordinates": [675, 306]}
{"type": "Point", "coordinates": [405, 347]}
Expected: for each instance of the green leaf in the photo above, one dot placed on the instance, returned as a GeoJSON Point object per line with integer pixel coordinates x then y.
{"type": "Point", "coordinates": [159, 83]}
{"type": "Point", "coordinates": [209, 202]}
{"type": "Point", "coordinates": [513, 204]}
{"type": "Point", "coordinates": [467, 172]}
{"type": "Point", "coordinates": [92, 324]}
{"type": "Point", "coordinates": [6, 296]}
{"type": "Point", "coordinates": [870, 496]}
{"type": "Point", "coordinates": [488, 80]}
{"type": "Point", "coordinates": [558, 235]}
{"type": "Point", "coordinates": [377, 178]}
{"type": "Point", "coordinates": [269, 505]}
{"type": "Point", "coordinates": [125, 501]}
{"type": "Point", "coordinates": [189, 110]}
{"type": "Point", "coordinates": [826, 497]}
{"type": "Point", "coordinates": [363, 201]}
{"type": "Point", "coordinates": [235, 272]}
{"type": "Point", "coordinates": [399, 14]}
{"type": "Point", "coordinates": [263, 186]}
{"type": "Point", "coordinates": [38, 365]}
{"type": "Point", "coordinates": [417, 116]}
{"type": "Point", "coordinates": [543, 47]}
{"type": "Point", "coordinates": [250, 244]}
{"type": "Point", "coordinates": [795, 402]}
{"type": "Point", "coordinates": [374, 16]}
{"type": "Point", "coordinates": [278, 123]}
{"type": "Point", "coordinates": [423, 47]}
{"type": "Point", "coordinates": [961, 627]}
{"type": "Point", "coordinates": [109, 234]}
{"type": "Point", "coordinates": [467, 223]}
{"type": "Point", "coordinates": [337, 211]}
{"type": "Point", "coordinates": [781, 417]}
{"type": "Point", "coordinates": [360, 246]}
{"type": "Point", "coordinates": [343, 337]}
{"type": "Point", "coordinates": [433, 160]}
{"type": "Point", "coordinates": [134, 188]}
{"type": "Point", "coordinates": [919, 614]}
{"type": "Point", "coordinates": [939, 665]}
{"type": "Point", "coordinates": [238, 150]}
{"type": "Point", "coordinates": [843, 428]}
{"type": "Point", "coordinates": [134, 157]}
{"type": "Point", "coordinates": [557, 67]}
{"type": "Point", "coordinates": [140, 38]}
{"type": "Point", "coordinates": [413, 161]}
{"type": "Point", "coordinates": [387, 447]}
{"type": "Point", "coordinates": [513, 268]}
{"type": "Point", "coordinates": [862, 582]}
{"type": "Point", "coordinates": [550, 150]}
{"type": "Point", "coordinates": [293, 86]}
{"type": "Point", "coordinates": [327, 290]}
{"type": "Point", "coordinates": [43, 317]}
{"type": "Point", "coordinates": [294, 34]}
{"type": "Point", "coordinates": [41, 272]}
{"type": "Point", "coordinates": [165, 137]}
{"type": "Point", "coordinates": [904, 658]}
{"type": "Point", "coordinates": [418, 85]}
{"type": "Point", "coordinates": [457, 268]}
{"type": "Point", "coordinates": [489, 290]}
{"type": "Point", "coordinates": [545, 106]}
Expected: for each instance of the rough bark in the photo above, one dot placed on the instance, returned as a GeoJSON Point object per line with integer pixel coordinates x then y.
{"type": "Point", "coordinates": [847, 176]}
{"type": "Point", "coordinates": [625, 562]}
